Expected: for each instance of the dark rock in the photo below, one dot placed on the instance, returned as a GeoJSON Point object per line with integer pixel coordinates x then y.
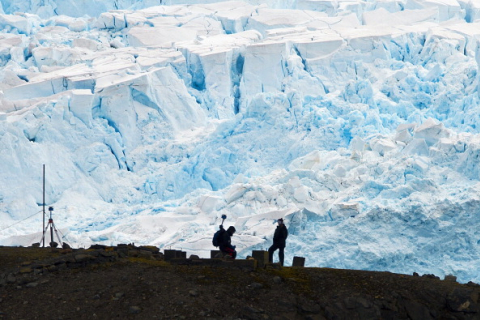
{"type": "Point", "coordinates": [462, 300]}
{"type": "Point", "coordinates": [134, 310]}
{"type": "Point", "coordinates": [83, 257]}
{"type": "Point", "coordinates": [308, 306]}
{"type": "Point", "coordinates": [298, 262]}
{"type": "Point", "coordinates": [108, 254]}
{"type": "Point", "coordinates": [450, 278]}
{"type": "Point", "coordinates": [158, 256]}
{"type": "Point", "coordinates": [11, 278]}
{"type": "Point", "coordinates": [357, 302]}
{"type": "Point", "coordinates": [193, 293]}
{"type": "Point", "coordinates": [97, 246]}
{"type": "Point", "coordinates": [26, 270]}
{"type": "Point", "coordinates": [332, 313]}
{"type": "Point", "coordinates": [133, 253]}
{"type": "Point", "coordinates": [430, 276]}
{"type": "Point", "coordinates": [315, 317]}
{"type": "Point", "coordinates": [388, 305]}
{"type": "Point", "coordinates": [39, 265]}
{"type": "Point", "coordinates": [253, 310]}
{"type": "Point", "coordinates": [417, 311]}
{"type": "Point", "coordinates": [95, 253]}
{"type": "Point", "coordinates": [31, 285]}
{"type": "Point", "coordinates": [59, 261]}
{"type": "Point", "coordinates": [152, 249]}
{"type": "Point", "coordinates": [256, 285]}
{"type": "Point", "coordinates": [473, 284]}
{"type": "Point", "coordinates": [51, 268]}
{"type": "Point", "coordinates": [118, 295]}
{"type": "Point", "coordinates": [62, 266]}
{"type": "Point", "coordinates": [145, 254]}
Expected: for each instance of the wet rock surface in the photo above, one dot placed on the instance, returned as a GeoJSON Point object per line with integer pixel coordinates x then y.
{"type": "Point", "coordinates": [129, 282]}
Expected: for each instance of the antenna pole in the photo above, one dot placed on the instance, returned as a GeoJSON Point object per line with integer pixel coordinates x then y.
{"type": "Point", "coordinates": [43, 202]}
{"type": "Point", "coordinates": [50, 221]}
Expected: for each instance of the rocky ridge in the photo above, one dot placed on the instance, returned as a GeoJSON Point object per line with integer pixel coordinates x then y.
{"type": "Point", "coordinates": [130, 282]}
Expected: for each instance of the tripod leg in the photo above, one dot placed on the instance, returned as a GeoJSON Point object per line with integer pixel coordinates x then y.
{"type": "Point", "coordinates": [44, 231]}
{"type": "Point", "coordinates": [56, 232]}
{"type": "Point", "coordinates": [51, 234]}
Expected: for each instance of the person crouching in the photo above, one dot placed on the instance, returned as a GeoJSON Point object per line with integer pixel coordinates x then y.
{"type": "Point", "coordinates": [226, 243]}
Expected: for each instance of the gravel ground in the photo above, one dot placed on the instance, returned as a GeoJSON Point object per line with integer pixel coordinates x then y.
{"type": "Point", "coordinates": [147, 288]}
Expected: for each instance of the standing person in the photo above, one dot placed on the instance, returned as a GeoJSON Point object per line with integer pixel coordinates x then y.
{"type": "Point", "coordinates": [226, 243]}
{"type": "Point", "coordinates": [279, 242]}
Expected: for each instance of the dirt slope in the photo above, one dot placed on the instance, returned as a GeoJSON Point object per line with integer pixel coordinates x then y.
{"type": "Point", "coordinates": [136, 283]}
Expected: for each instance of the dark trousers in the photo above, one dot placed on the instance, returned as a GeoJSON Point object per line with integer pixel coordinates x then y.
{"type": "Point", "coordinates": [281, 254]}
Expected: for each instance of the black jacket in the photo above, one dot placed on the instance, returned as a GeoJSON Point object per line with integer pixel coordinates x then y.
{"type": "Point", "coordinates": [280, 236]}
{"type": "Point", "coordinates": [226, 241]}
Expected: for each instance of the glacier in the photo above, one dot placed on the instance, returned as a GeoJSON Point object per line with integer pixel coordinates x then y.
{"type": "Point", "coordinates": [355, 121]}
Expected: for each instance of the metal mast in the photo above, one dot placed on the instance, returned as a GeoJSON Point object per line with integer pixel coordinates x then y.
{"type": "Point", "coordinates": [43, 203]}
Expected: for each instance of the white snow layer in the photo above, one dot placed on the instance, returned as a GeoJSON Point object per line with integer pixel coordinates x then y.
{"type": "Point", "coordinates": [355, 121]}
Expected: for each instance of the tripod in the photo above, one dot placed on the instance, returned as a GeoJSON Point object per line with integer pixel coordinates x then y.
{"type": "Point", "coordinates": [53, 228]}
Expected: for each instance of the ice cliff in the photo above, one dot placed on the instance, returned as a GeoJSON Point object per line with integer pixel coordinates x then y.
{"type": "Point", "coordinates": [356, 121]}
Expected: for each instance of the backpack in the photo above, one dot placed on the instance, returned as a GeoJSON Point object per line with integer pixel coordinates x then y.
{"type": "Point", "coordinates": [217, 237]}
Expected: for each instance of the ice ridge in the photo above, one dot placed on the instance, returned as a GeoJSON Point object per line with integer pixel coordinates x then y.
{"type": "Point", "coordinates": [355, 121]}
